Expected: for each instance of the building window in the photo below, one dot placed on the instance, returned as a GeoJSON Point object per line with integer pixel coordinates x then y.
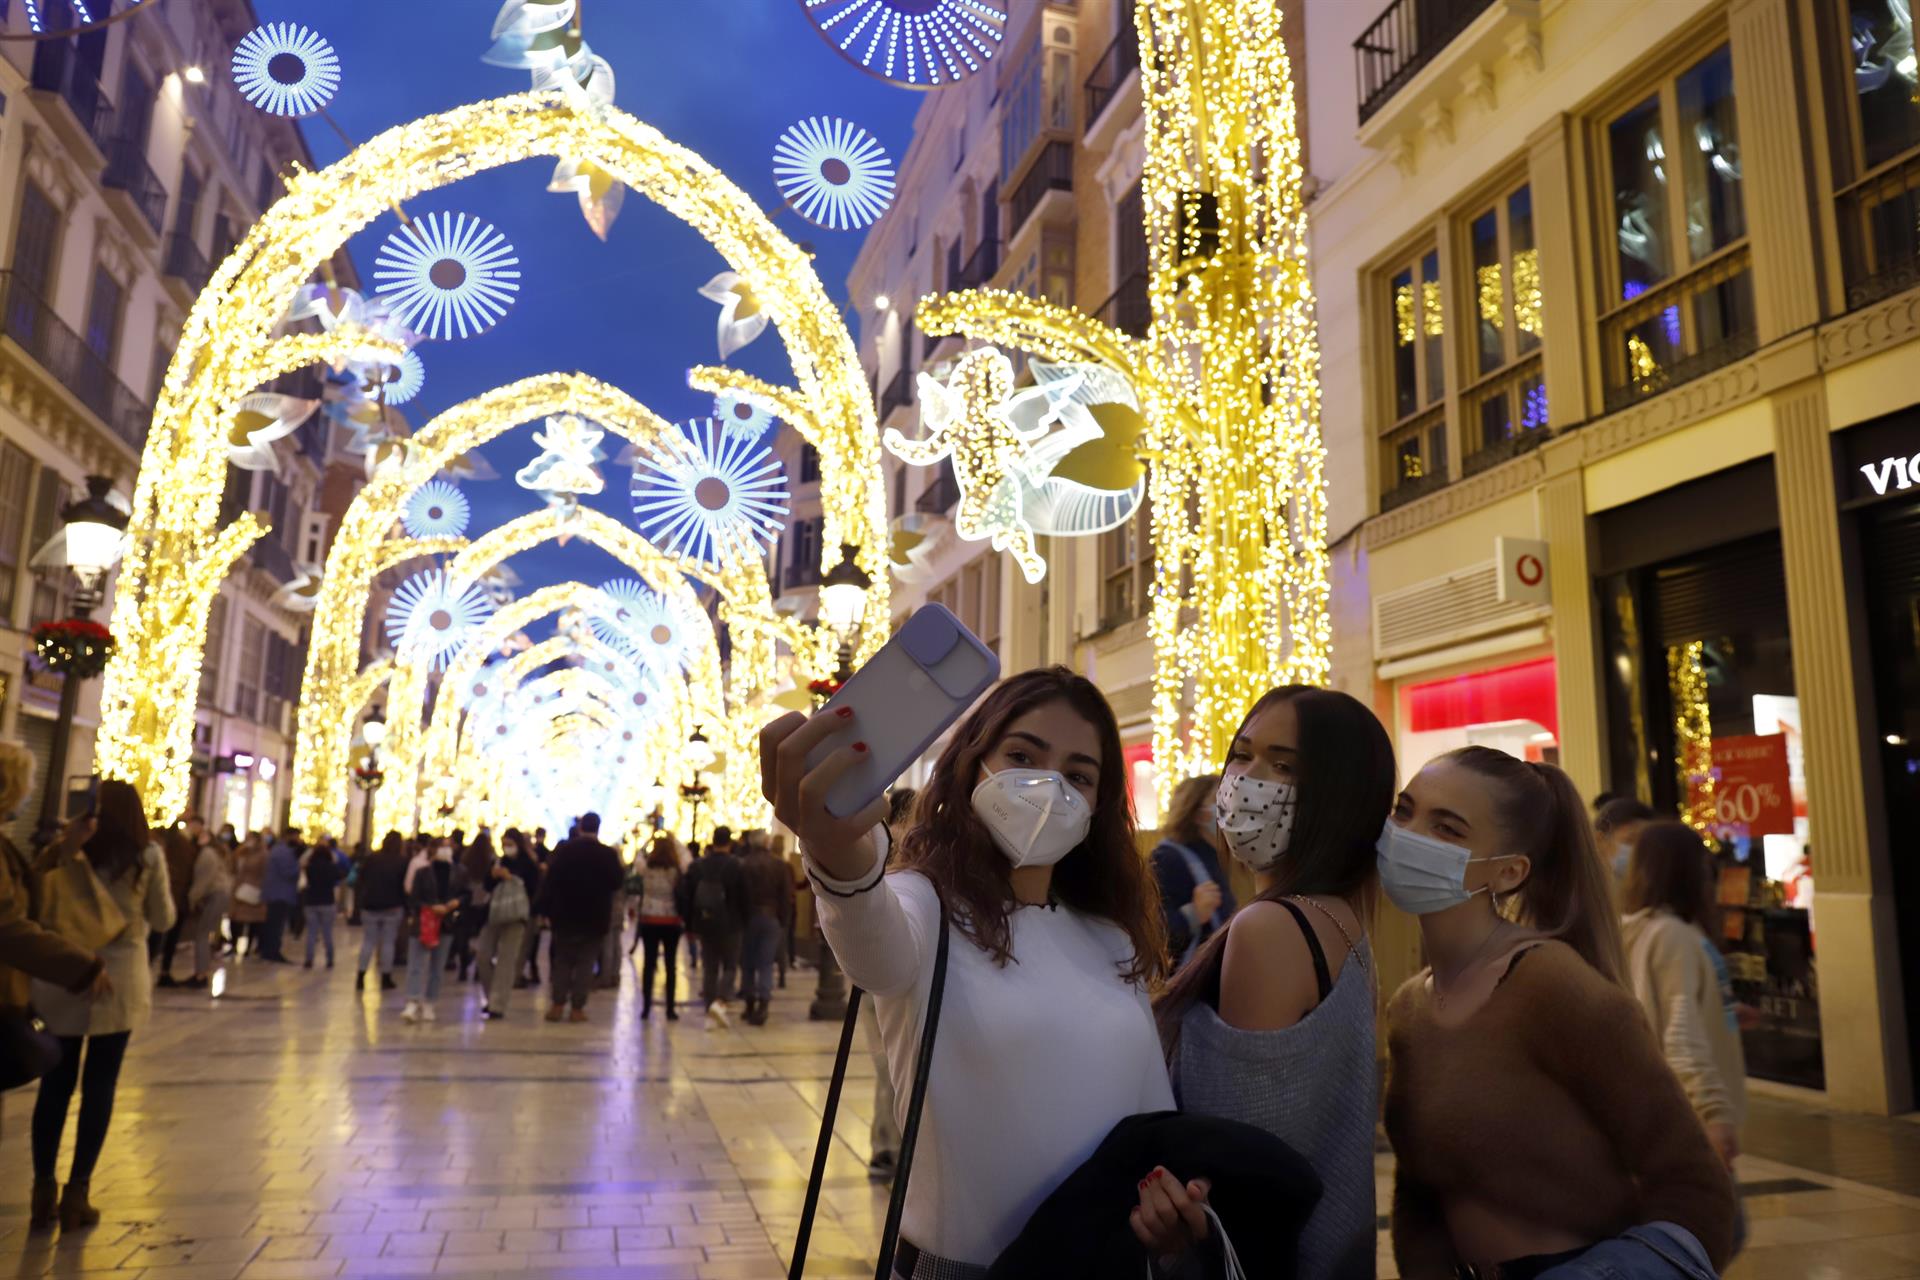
{"type": "Point", "coordinates": [1414, 458]}
{"type": "Point", "coordinates": [35, 246]}
{"type": "Point", "coordinates": [216, 646]}
{"type": "Point", "coordinates": [1023, 117]}
{"type": "Point", "coordinates": [1126, 569]}
{"type": "Point", "coordinates": [16, 488]}
{"type": "Point", "coordinates": [103, 316]}
{"type": "Point", "coordinates": [252, 672]}
{"type": "Point", "coordinates": [50, 584]}
{"type": "Point", "coordinates": [1505, 409]}
{"type": "Point", "coordinates": [1877, 152]}
{"type": "Point", "coordinates": [1679, 288]}
{"type": "Point", "coordinates": [973, 595]}
{"type": "Point", "coordinates": [803, 561]}
{"type": "Point", "coordinates": [809, 464]}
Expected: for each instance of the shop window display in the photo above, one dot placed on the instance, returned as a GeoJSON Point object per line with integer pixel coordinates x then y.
{"type": "Point", "coordinates": [1512, 708]}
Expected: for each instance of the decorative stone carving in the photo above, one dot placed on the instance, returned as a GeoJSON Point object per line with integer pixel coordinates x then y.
{"type": "Point", "coordinates": [1402, 155]}
{"type": "Point", "coordinates": [113, 249]}
{"type": "Point", "coordinates": [51, 170]}
{"type": "Point", "coordinates": [1524, 47]}
{"type": "Point", "coordinates": [1870, 330]}
{"type": "Point", "coordinates": [1683, 406]}
{"type": "Point", "coordinates": [1524, 472]}
{"type": "Point", "coordinates": [1437, 120]}
{"type": "Point", "coordinates": [1481, 88]}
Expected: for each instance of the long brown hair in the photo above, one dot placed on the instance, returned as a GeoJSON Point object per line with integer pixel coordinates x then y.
{"type": "Point", "coordinates": [1670, 871]}
{"type": "Point", "coordinates": [1189, 798]}
{"type": "Point", "coordinates": [120, 833]}
{"type": "Point", "coordinates": [1568, 893]}
{"type": "Point", "coordinates": [1103, 876]}
{"type": "Point", "coordinates": [664, 852]}
{"type": "Point", "coordinates": [1345, 778]}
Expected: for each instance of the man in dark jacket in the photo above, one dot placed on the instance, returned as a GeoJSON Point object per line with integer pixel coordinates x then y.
{"type": "Point", "coordinates": [769, 894]}
{"type": "Point", "coordinates": [182, 846]}
{"type": "Point", "coordinates": [576, 897]}
{"type": "Point", "coordinates": [716, 912]}
{"type": "Point", "coordinates": [380, 892]}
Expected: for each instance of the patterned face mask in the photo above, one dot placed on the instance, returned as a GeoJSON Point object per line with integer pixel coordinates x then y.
{"type": "Point", "coordinates": [1255, 818]}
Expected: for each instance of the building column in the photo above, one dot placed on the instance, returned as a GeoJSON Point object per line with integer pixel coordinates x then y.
{"type": "Point", "coordinates": [1861, 1015]}
{"type": "Point", "coordinates": [1556, 237]}
{"type": "Point", "coordinates": [1772, 99]}
{"type": "Point", "coordinates": [1563, 523]}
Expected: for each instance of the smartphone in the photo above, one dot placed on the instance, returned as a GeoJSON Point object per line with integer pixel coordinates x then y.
{"type": "Point", "coordinates": [906, 695]}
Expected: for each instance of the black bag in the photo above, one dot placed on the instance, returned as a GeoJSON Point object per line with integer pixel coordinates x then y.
{"type": "Point", "coordinates": [711, 911]}
{"type": "Point", "coordinates": [909, 1136]}
{"type": "Point", "coordinates": [27, 1051]}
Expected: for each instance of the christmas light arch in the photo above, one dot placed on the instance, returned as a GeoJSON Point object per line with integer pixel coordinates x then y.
{"type": "Point", "coordinates": [179, 552]}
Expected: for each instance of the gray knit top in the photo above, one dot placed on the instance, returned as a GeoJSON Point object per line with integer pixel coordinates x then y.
{"type": "Point", "coordinates": [1312, 1085]}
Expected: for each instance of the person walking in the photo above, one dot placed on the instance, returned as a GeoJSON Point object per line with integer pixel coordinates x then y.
{"type": "Point", "coordinates": [208, 895]}
{"type": "Point", "coordinates": [181, 845]}
{"type": "Point", "coordinates": [321, 869]}
{"type": "Point", "coordinates": [477, 860]}
{"type": "Point", "coordinates": [769, 896]}
{"type": "Point", "coordinates": [1194, 894]}
{"type": "Point", "coordinates": [1521, 1012]}
{"type": "Point", "coordinates": [1023, 855]}
{"type": "Point", "coordinates": [716, 912]}
{"type": "Point", "coordinates": [248, 911]}
{"type": "Point", "coordinates": [660, 925]}
{"type": "Point", "coordinates": [434, 885]}
{"type": "Point", "coordinates": [508, 911]}
{"type": "Point", "coordinates": [282, 894]}
{"type": "Point", "coordinates": [128, 862]}
{"type": "Point", "coordinates": [1271, 1021]}
{"type": "Point", "coordinates": [28, 949]}
{"type": "Point", "coordinates": [382, 896]}
{"type": "Point", "coordinates": [528, 972]}
{"type": "Point", "coordinates": [576, 897]}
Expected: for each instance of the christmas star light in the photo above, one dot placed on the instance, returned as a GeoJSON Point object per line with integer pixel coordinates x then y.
{"type": "Point", "coordinates": [449, 275]}
{"type": "Point", "coordinates": [833, 173]}
{"type": "Point", "coordinates": [286, 69]}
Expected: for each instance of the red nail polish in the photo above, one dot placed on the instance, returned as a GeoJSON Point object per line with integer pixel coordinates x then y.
{"type": "Point", "coordinates": [845, 713]}
{"type": "Point", "coordinates": [860, 746]}
{"type": "Point", "coordinates": [1154, 1176]}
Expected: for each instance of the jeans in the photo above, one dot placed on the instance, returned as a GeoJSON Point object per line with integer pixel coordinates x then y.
{"type": "Point", "coordinates": [320, 929]}
{"type": "Point", "coordinates": [720, 960]}
{"type": "Point", "coordinates": [761, 946]}
{"type": "Point", "coordinates": [572, 966]}
{"type": "Point", "coordinates": [277, 915]}
{"type": "Point", "coordinates": [883, 1136]}
{"type": "Point", "coordinates": [660, 940]}
{"type": "Point", "coordinates": [205, 924]}
{"type": "Point", "coordinates": [423, 969]}
{"type": "Point", "coordinates": [98, 1080]}
{"type": "Point", "coordinates": [495, 965]}
{"type": "Point", "coordinates": [382, 927]}
{"type": "Point", "coordinates": [1656, 1251]}
{"type": "Point", "coordinates": [610, 945]}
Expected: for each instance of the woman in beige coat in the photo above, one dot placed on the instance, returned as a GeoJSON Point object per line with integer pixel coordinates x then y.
{"type": "Point", "coordinates": [247, 911]}
{"type": "Point", "coordinates": [134, 870]}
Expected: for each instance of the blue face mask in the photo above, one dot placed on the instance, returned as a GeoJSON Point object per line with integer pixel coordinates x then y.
{"type": "Point", "coordinates": [1620, 861]}
{"type": "Point", "coordinates": [1422, 875]}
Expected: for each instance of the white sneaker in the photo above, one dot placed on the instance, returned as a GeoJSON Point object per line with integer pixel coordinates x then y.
{"type": "Point", "coordinates": [717, 1014]}
{"type": "Point", "coordinates": [426, 1011]}
{"type": "Point", "coordinates": [411, 1013]}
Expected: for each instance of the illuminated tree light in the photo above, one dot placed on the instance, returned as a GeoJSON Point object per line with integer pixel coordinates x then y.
{"type": "Point", "coordinates": [1692, 733]}
{"type": "Point", "coordinates": [178, 551]}
{"type": "Point", "coordinates": [1228, 376]}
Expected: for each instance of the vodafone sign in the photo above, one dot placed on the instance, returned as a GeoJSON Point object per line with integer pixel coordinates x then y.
{"type": "Point", "coordinates": [1523, 570]}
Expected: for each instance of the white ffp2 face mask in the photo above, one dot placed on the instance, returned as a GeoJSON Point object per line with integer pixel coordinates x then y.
{"type": "Point", "coordinates": [1255, 817]}
{"type": "Point", "coordinates": [1034, 815]}
{"type": "Point", "coordinates": [1422, 875]}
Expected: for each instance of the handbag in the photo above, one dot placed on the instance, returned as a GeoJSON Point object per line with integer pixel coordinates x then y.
{"type": "Point", "coordinates": [27, 1050]}
{"type": "Point", "coordinates": [509, 904]}
{"type": "Point", "coordinates": [76, 905]}
{"type": "Point", "coordinates": [247, 895]}
{"type": "Point", "coordinates": [429, 929]}
{"type": "Point", "coordinates": [909, 1136]}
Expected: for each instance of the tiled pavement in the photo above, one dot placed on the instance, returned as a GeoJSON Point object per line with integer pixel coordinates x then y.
{"type": "Point", "coordinates": [294, 1129]}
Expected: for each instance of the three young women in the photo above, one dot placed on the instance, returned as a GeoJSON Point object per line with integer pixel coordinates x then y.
{"type": "Point", "coordinates": [1022, 851]}
{"type": "Point", "coordinates": [1537, 1129]}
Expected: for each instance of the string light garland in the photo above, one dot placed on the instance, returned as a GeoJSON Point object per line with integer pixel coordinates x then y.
{"type": "Point", "coordinates": [1692, 734]}
{"type": "Point", "coordinates": [178, 551]}
{"type": "Point", "coordinates": [1228, 376]}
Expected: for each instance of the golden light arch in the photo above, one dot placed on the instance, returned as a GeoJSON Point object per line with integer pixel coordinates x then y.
{"type": "Point", "coordinates": [178, 552]}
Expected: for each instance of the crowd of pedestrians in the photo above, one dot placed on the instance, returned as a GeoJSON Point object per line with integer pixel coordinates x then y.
{"type": "Point", "coordinates": [1104, 1013]}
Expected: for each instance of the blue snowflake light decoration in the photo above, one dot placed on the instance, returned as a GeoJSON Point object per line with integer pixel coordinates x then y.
{"type": "Point", "coordinates": [427, 620]}
{"type": "Point", "coordinates": [647, 625]}
{"type": "Point", "coordinates": [743, 417]}
{"type": "Point", "coordinates": [919, 44]}
{"type": "Point", "coordinates": [286, 69]}
{"type": "Point", "coordinates": [833, 173]}
{"type": "Point", "coordinates": [703, 494]}
{"type": "Point", "coordinates": [82, 11]}
{"type": "Point", "coordinates": [404, 381]}
{"type": "Point", "coordinates": [437, 510]}
{"type": "Point", "coordinates": [448, 275]}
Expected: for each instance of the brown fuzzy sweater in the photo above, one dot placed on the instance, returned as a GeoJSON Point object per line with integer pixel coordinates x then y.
{"type": "Point", "coordinates": [1552, 1103]}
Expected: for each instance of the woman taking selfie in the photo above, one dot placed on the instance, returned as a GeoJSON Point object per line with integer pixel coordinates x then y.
{"type": "Point", "coordinates": [1272, 1021]}
{"type": "Point", "coordinates": [1535, 1123]}
{"type": "Point", "coordinates": [1022, 845]}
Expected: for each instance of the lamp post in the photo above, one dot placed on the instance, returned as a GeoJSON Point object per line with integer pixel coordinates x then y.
{"type": "Point", "coordinates": [843, 603]}
{"type": "Point", "coordinates": [700, 755]}
{"type": "Point", "coordinates": [92, 530]}
{"type": "Point", "coordinates": [373, 733]}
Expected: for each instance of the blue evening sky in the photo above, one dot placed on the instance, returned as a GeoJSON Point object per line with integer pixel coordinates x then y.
{"type": "Point", "coordinates": [723, 77]}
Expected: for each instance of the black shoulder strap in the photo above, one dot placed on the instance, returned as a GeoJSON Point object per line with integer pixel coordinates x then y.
{"type": "Point", "coordinates": [1320, 972]}
{"type": "Point", "coordinates": [909, 1136]}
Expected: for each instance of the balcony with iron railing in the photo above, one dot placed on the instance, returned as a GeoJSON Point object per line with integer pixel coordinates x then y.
{"type": "Point", "coordinates": [1681, 330]}
{"type": "Point", "coordinates": [1051, 170]}
{"type": "Point", "coordinates": [1110, 72]}
{"type": "Point", "coordinates": [1402, 41]}
{"type": "Point", "coordinates": [129, 173]}
{"type": "Point", "coordinates": [899, 392]}
{"type": "Point", "coordinates": [1880, 230]}
{"type": "Point", "coordinates": [1504, 416]}
{"type": "Point", "coordinates": [1415, 458]}
{"type": "Point", "coordinates": [27, 319]}
{"type": "Point", "coordinates": [59, 70]}
{"type": "Point", "coordinates": [977, 271]}
{"type": "Point", "coordinates": [186, 263]}
{"type": "Point", "coordinates": [1130, 309]}
{"type": "Point", "coordinates": [939, 497]}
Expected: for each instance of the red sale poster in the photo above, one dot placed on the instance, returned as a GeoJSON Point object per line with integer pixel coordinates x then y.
{"type": "Point", "coordinates": [1752, 794]}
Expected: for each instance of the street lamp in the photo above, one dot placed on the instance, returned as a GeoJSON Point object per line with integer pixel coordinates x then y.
{"type": "Point", "coordinates": [700, 755]}
{"type": "Point", "coordinates": [369, 777]}
{"type": "Point", "coordinates": [89, 543]}
{"type": "Point", "coordinates": [843, 603]}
